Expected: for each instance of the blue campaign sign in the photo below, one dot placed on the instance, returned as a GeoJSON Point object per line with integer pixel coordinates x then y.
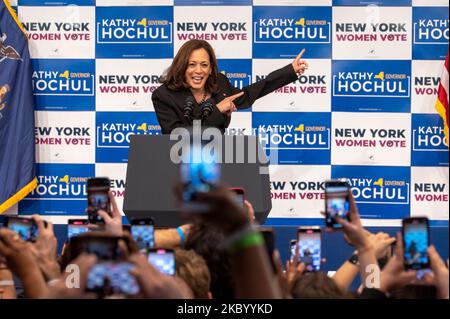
{"type": "Point", "coordinates": [430, 33]}
{"type": "Point", "coordinates": [114, 130]}
{"type": "Point", "coordinates": [55, 3]}
{"type": "Point", "coordinates": [61, 190]}
{"type": "Point", "coordinates": [294, 138]}
{"type": "Point", "coordinates": [238, 72]}
{"type": "Point", "coordinates": [282, 32]}
{"type": "Point", "coordinates": [63, 84]}
{"type": "Point", "coordinates": [134, 32]}
{"type": "Point", "coordinates": [371, 86]}
{"type": "Point", "coordinates": [383, 3]}
{"type": "Point", "coordinates": [380, 192]}
{"type": "Point", "coordinates": [213, 3]}
{"type": "Point", "coordinates": [428, 141]}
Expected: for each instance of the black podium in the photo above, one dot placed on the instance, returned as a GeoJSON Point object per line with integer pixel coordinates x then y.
{"type": "Point", "coordinates": [151, 176]}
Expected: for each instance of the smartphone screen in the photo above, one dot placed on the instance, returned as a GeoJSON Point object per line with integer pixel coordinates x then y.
{"type": "Point", "coordinates": [76, 227]}
{"type": "Point", "coordinates": [310, 244]}
{"type": "Point", "coordinates": [198, 174]}
{"type": "Point", "coordinates": [143, 232]}
{"type": "Point", "coordinates": [163, 260]}
{"type": "Point", "coordinates": [292, 247]}
{"type": "Point", "coordinates": [336, 202]}
{"type": "Point", "coordinates": [105, 248]}
{"type": "Point", "coordinates": [98, 198]}
{"type": "Point", "coordinates": [26, 228]}
{"type": "Point", "coordinates": [269, 241]}
{"type": "Point", "coordinates": [111, 278]}
{"type": "Point", "coordinates": [415, 243]}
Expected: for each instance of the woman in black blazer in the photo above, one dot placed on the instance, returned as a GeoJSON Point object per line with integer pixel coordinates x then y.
{"type": "Point", "coordinates": [194, 89]}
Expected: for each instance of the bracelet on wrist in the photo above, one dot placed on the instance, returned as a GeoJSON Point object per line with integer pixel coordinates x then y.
{"type": "Point", "coordinates": [252, 239]}
{"type": "Point", "coordinates": [244, 238]}
{"type": "Point", "coordinates": [228, 242]}
{"type": "Point", "coordinates": [354, 259]}
{"type": "Point", "coordinates": [181, 234]}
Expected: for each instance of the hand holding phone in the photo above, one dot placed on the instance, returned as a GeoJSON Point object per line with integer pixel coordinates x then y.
{"type": "Point", "coordinates": [337, 202]}
{"type": "Point", "coordinates": [105, 248]}
{"type": "Point", "coordinates": [163, 260]}
{"type": "Point", "coordinates": [197, 173]}
{"type": "Point", "coordinates": [269, 241]}
{"type": "Point", "coordinates": [292, 249]}
{"type": "Point", "coordinates": [416, 239]}
{"type": "Point", "coordinates": [110, 278]}
{"type": "Point", "coordinates": [143, 232]}
{"type": "Point", "coordinates": [98, 198]}
{"type": "Point", "coordinates": [26, 228]}
{"type": "Point", "coordinates": [76, 227]}
{"type": "Point", "coordinates": [310, 247]}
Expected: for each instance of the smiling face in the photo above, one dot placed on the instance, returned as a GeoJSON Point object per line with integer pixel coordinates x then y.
{"type": "Point", "coordinates": [198, 69]}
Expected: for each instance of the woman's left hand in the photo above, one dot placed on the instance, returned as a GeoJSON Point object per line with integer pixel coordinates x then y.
{"type": "Point", "coordinates": [299, 65]}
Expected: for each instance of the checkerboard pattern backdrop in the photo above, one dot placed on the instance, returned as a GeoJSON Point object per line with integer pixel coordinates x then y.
{"type": "Point", "coordinates": [364, 110]}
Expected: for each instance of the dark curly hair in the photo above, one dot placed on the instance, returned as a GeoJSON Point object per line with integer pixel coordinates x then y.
{"type": "Point", "coordinates": [174, 77]}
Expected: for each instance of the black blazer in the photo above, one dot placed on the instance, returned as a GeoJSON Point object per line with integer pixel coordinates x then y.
{"type": "Point", "coordinates": [169, 104]}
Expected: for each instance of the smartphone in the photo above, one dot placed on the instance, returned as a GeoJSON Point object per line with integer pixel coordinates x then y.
{"type": "Point", "coordinates": [239, 195]}
{"type": "Point", "coordinates": [111, 278]}
{"type": "Point", "coordinates": [292, 247]}
{"type": "Point", "coordinates": [198, 174]}
{"type": "Point", "coordinates": [105, 248]}
{"type": "Point", "coordinates": [25, 227]}
{"type": "Point", "coordinates": [97, 192]}
{"type": "Point", "coordinates": [337, 202]}
{"type": "Point", "coordinates": [310, 247]}
{"type": "Point", "coordinates": [269, 241]}
{"type": "Point", "coordinates": [76, 227]}
{"type": "Point", "coordinates": [143, 232]}
{"type": "Point", "coordinates": [163, 260]}
{"type": "Point", "coordinates": [416, 239]}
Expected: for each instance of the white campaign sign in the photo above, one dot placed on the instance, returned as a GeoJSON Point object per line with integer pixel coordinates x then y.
{"type": "Point", "coordinates": [60, 32]}
{"type": "Point", "coordinates": [311, 93]}
{"type": "Point", "coordinates": [425, 80]}
{"type": "Point", "coordinates": [371, 139]}
{"type": "Point", "coordinates": [65, 137]}
{"type": "Point", "coordinates": [429, 192]}
{"type": "Point", "coordinates": [372, 32]}
{"type": "Point", "coordinates": [296, 190]}
{"type": "Point", "coordinates": [227, 29]}
{"type": "Point", "coordinates": [129, 88]}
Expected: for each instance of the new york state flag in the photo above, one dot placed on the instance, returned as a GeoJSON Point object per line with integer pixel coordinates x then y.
{"type": "Point", "coordinates": [17, 149]}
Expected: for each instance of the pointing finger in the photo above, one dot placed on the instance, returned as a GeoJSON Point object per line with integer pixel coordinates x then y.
{"type": "Point", "coordinates": [299, 56]}
{"type": "Point", "coordinates": [234, 97]}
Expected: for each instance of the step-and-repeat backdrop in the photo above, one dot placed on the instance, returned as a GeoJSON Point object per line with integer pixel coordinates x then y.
{"type": "Point", "coordinates": [364, 110]}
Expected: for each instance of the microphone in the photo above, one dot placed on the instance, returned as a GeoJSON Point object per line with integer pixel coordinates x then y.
{"type": "Point", "coordinates": [188, 108]}
{"type": "Point", "coordinates": [207, 108]}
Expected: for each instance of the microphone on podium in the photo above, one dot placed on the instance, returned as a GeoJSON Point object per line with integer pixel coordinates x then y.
{"type": "Point", "coordinates": [188, 109]}
{"type": "Point", "coordinates": [207, 108]}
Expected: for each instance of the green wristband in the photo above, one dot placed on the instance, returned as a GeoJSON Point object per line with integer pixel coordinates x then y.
{"type": "Point", "coordinates": [249, 240]}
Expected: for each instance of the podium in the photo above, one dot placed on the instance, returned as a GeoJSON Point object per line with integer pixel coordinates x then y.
{"type": "Point", "coordinates": [152, 176]}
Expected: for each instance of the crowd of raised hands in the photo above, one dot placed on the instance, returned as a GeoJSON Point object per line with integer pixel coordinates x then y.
{"type": "Point", "coordinates": [218, 254]}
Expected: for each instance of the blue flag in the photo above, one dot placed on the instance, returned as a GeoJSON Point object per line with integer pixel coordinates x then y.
{"type": "Point", "coordinates": [17, 157]}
